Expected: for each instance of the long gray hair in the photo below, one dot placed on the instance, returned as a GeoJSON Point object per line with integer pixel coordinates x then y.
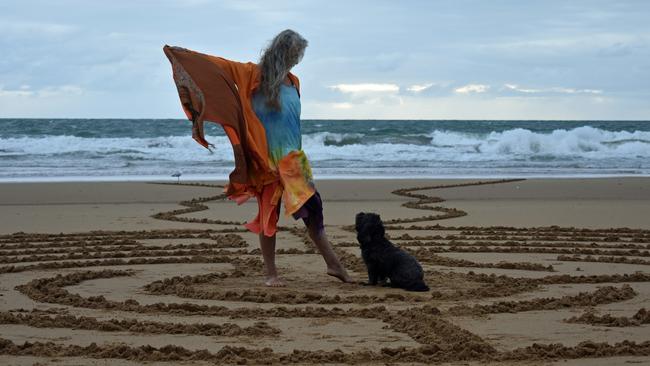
{"type": "Point", "coordinates": [282, 53]}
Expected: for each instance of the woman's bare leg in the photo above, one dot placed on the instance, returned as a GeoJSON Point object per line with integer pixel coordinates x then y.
{"type": "Point", "coordinates": [267, 245]}
{"type": "Point", "coordinates": [334, 266]}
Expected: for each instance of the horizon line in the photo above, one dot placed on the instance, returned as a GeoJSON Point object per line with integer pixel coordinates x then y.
{"type": "Point", "coordinates": [350, 119]}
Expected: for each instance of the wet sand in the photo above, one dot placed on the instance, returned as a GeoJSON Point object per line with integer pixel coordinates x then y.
{"type": "Point", "coordinates": [539, 271]}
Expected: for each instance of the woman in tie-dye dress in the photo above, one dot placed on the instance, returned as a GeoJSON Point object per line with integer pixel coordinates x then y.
{"type": "Point", "coordinates": [276, 103]}
{"type": "Point", "coordinates": [258, 105]}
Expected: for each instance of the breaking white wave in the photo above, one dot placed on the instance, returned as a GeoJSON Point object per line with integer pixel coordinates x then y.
{"type": "Point", "coordinates": [587, 142]}
{"type": "Point", "coordinates": [516, 151]}
{"type": "Point", "coordinates": [583, 142]}
{"type": "Point", "coordinates": [170, 148]}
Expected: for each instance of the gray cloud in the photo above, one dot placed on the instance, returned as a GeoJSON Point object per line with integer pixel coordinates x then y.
{"type": "Point", "coordinates": [556, 53]}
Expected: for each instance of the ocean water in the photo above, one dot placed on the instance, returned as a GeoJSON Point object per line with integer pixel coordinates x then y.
{"type": "Point", "coordinates": [144, 149]}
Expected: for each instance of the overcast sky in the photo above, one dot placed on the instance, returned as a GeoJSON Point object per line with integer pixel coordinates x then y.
{"type": "Point", "coordinates": [366, 59]}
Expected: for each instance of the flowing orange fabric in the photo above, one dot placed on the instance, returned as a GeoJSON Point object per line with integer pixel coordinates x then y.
{"type": "Point", "coordinates": [296, 178]}
{"type": "Point", "coordinates": [267, 214]}
{"type": "Point", "coordinates": [218, 90]}
{"type": "Point", "coordinates": [292, 187]}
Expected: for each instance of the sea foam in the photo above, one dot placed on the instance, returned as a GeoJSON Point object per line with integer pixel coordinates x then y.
{"type": "Point", "coordinates": [363, 150]}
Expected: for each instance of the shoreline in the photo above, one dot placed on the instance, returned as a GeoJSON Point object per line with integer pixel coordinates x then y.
{"type": "Point", "coordinates": [166, 178]}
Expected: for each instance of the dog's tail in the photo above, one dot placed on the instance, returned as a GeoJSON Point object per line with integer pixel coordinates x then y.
{"type": "Point", "coordinates": [420, 286]}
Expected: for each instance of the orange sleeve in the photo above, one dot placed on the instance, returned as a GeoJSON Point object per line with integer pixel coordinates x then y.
{"type": "Point", "coordinates": [238, 71]}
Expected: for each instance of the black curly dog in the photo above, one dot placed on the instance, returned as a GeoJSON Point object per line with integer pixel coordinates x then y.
{"type": "Point", "coordinates": [383, 259]}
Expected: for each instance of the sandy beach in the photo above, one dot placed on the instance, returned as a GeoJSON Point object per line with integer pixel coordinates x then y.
{"type": "Point", "coordinates": [531, 272]}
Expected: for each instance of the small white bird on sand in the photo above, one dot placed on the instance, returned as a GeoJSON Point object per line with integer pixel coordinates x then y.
{"type": "Point", "coordinates": [177, 175]}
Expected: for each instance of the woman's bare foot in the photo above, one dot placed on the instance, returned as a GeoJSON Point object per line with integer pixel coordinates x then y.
{"type": "Point", "coordinates": [275, 281]}
{"type": "Point", "coordinates": [341, 274]}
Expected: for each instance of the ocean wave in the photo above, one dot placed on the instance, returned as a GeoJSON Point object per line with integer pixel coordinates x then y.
{"type": "Point", "coordinates": [171, 148]}
{"type": "Point", "coordinates": [382, 151]}
{"type": "Point", "coordinates": [582, 142]}
{"type": "Point", "coordinates": [333, 139]}
{"type": "Point", "coordinates": [586, 142]}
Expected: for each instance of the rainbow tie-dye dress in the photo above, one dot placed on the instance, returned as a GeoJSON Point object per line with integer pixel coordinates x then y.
{"type": "Point", "coordinates": [284, 142]}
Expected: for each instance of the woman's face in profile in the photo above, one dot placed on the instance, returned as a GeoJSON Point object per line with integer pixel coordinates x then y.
{"type": "Point", "coordinates": [296, 56]}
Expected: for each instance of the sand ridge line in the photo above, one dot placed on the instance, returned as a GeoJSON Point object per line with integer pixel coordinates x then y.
{"type": "Point", "coordinates": [459, 248]}
{"type": "Point", "coordinates": [641, 317]}
{"type": "Point", "coordinates": [113, 262]}
{"type": "Point", "coordinates": [555, 233]}
{"type": "Point", "coordinates": [501, 285]}
{"type": "Point", "coordinates": [520, 240]}
{"type": "Point", "coordinates": [194, 205]}
{"type": "Point", "coordinates": [68, 244]}
{"type": "Point", "coordinates": [428, 257]}
{"type": "Point", "coordinates": [129, 254]}
{"type": "Point", "coordinates": [527, 244]}
{"type": "Point", "coordinates": [524, 243]}
{"type": "Point", "coordinates": [586, 349]}
{"type": "Point", "coordinates": [535, 229]}
{"type": "Point", "coordinates": [486, 286]}
{"type": "Point", "coordinates": [461, 346]}
{"type": "Point", "coordinates": [565, 278]}
{"type": "Point", "coordinates": [186, 287]}
{"type": "Point", "coordinates": [427, 253]}
{"type": "Point", "coordinates": [495, 286]}
{"type": "Point", "coordinates": [612, 252]}
{"type": "Point", "coordinates": [440, 339]}
{"type": "Point", "coordinates": [261, 296]}
{"type": "Point", "coordinates": [570, 236]}
{"type": "Point", "coordinates": [603, 259]}
{"type": "Point", "coordinates": [51, 290]}
{"type": "Point", "coordinates": [123, 248]}
{"type": "Point", "coordinates": [40, 319]}
{"type": "Point", "coordinates": [460, 286]}
{"type": "Point", "coordinates": [603, 295]}
{"type": "Point", "coordinates": [229, 240]}
{"type": "Point", "coordinates": [451, 341]}
{"type": "Point", "coordinates": [303, 235]}
{"type": "Point", "coordinates": [72, 249]}
{"type": "Point", "coordinates": [423, 201]}
{"type": "Point", "coordinates": [242, 355]}
{"type": "Point", "coordinates": [21, 237]}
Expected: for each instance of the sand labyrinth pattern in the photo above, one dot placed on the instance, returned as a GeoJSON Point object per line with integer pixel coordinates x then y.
{"type": "Point", "coordinates": [196, 294]}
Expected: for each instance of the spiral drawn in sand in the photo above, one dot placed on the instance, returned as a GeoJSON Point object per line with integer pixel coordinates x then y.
{"type": "Point", "coordinates": [195, 294]}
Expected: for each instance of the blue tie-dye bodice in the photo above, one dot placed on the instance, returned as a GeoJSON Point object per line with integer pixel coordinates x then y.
{"type": "Point", "coordinates": [282, 127]}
